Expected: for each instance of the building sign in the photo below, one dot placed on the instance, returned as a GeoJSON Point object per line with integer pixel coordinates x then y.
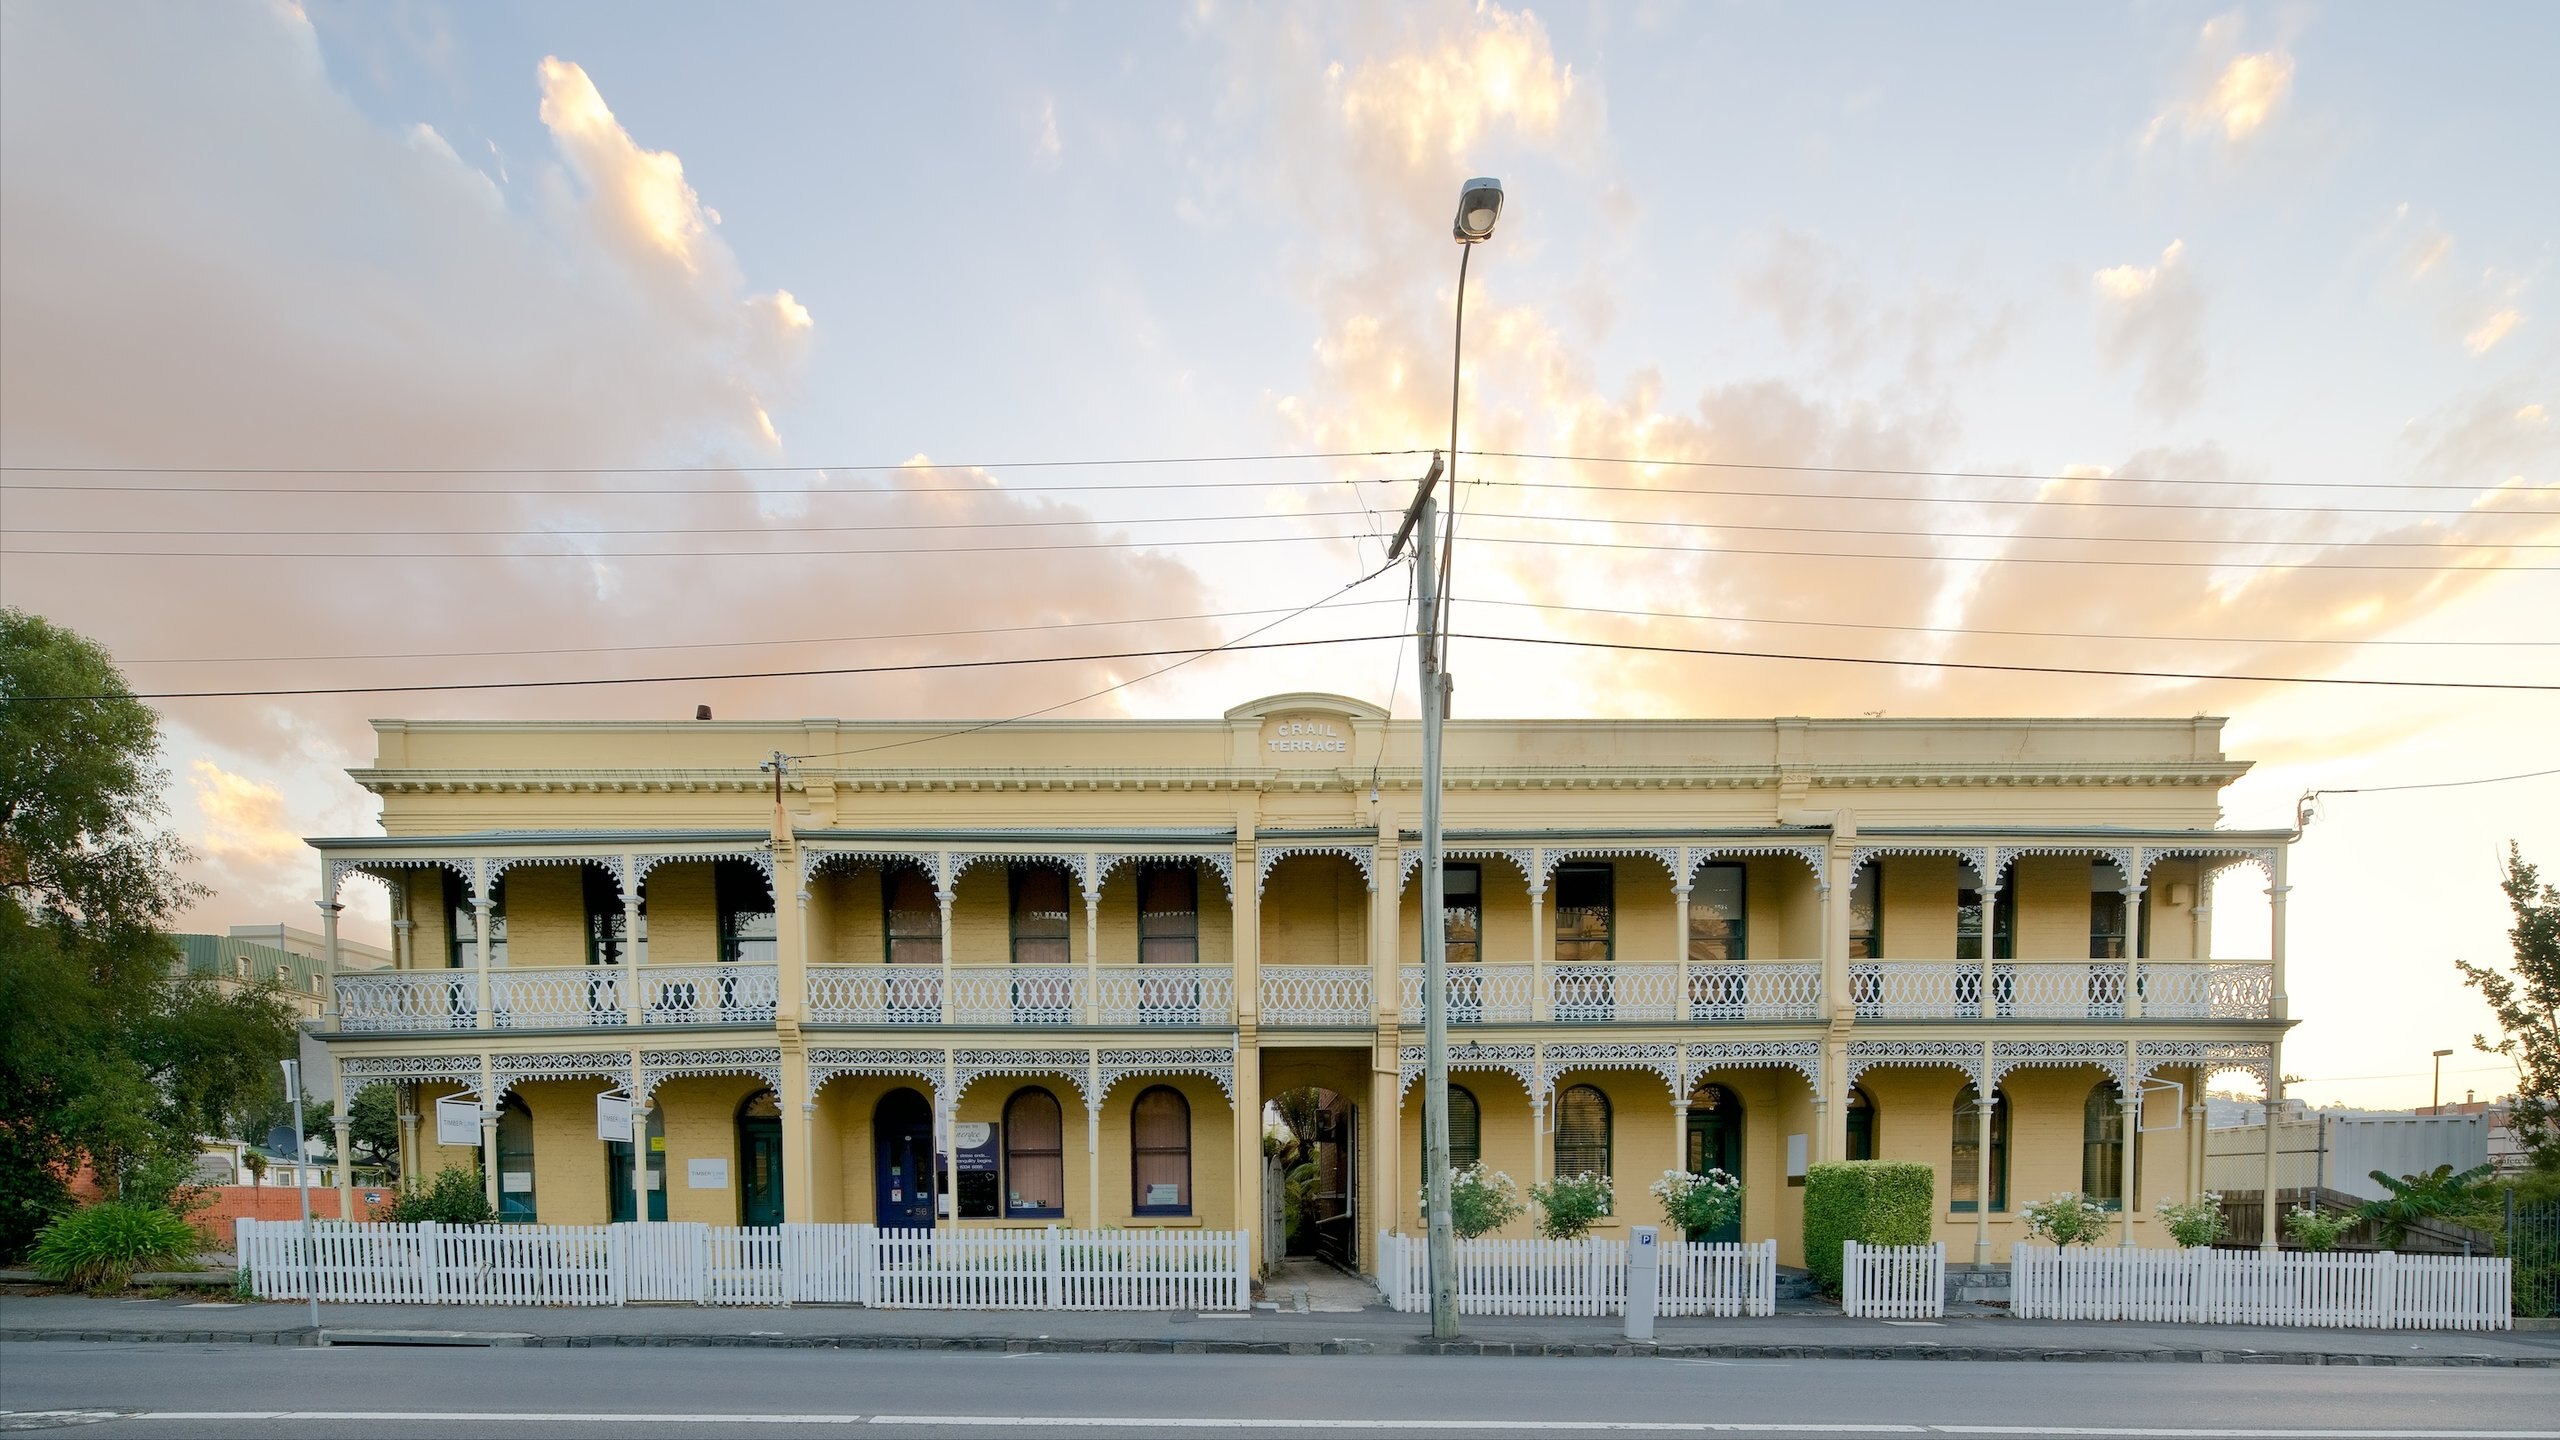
{"type": "Point", "coordinates": [613, 1118]}
{"type": "Point", "coordinates": [980, 1195]}
{"type": "Point", "coordinates": [1307, 734]}
{"type": "Point", "coordinates": [457, 1120]}
{"type": "Point", "coordinates": [706, 1174]}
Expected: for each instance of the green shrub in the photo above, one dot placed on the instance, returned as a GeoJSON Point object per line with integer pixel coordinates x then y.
{"type": "Point", "coordinates": [1874, 1202]}
{"type": "Point", "coordinates": [2313, 1230]}
{"type": "Point", "coordinates": [99, 1247]}
{"type": "Point", "coordinates": [2069, 1218]}
{"type": "Point", "coordinates": [1481, 1201]}
{"type": "Point", "coordinates": [2196, 1222]}
{"type": "Point", "coordinates": [454, 1197]}
{"type": "Point", "coordinates": [1697, 1203]}
{"type": "Point", "coordinates": [1569, 1205]}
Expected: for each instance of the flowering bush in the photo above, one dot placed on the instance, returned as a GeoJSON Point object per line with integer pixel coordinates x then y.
{"type": "Point", "coordinates": [2069, 1218]}
{"type": "Point", "coordinates": [1481, 1201]}
{"type": "Point", "coordinates": [2195, 1224]}
{"type": "Point", "coordinates": [2313, 1230]}
{"type": "Point", "coordinates": [1568, 1206]}
{"type": "Point", "coordinates": [1694, 1203]}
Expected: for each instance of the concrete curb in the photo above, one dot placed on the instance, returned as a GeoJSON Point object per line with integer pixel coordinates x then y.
{"type": "Point", "coordinates": [1496, 1348]}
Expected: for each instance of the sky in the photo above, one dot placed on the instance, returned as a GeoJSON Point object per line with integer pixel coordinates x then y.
{"type": "Point", "coordinates": [2258, 300]}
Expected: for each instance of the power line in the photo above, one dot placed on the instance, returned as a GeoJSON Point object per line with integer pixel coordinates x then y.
{"type": "Point", "coordinates": [2035, 477]}
{"type": "Point", "coordinates": [1995, 559]}
{"type": "Point", "coordinates": [709, 468]}
{"type": "Point", "coordinates": [2432, 784]}
{"type": "Point", "coordinates": [2030, 500]}
{"type": "Point", "coordinates": [2008, 669]}
{"type": "Point", "coordinates": [2014, 634]}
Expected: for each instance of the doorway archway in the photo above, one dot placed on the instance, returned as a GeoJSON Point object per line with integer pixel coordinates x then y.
{"type": "Point", "coordinates": [760, 1160]}
{"type": "Point", "coordinates": [1714, 1142]}
{"type": "Point", "coordinates": [903, 1170]}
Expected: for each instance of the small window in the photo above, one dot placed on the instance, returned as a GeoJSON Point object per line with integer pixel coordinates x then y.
{"type": "Point", "coordinates": [606, 921]}
{"type": "Point", "coordinates": [1866, 912]}
{"type": "Point", "coordinates": [1035, 1164]}
{"type": "Point", "coordinates": [914, 916]}
{"type": "Point", "coordinates": [1039, 897]}
{"type": "Point", "coordinates": [1862, 1124]}
{"type": "Point", "coordinates": [1969, 915]}
{"type": "Point", "coordinates": [1717, 926]}
{"type": "Point", "coordinates": [1582, 1132]}
{"type": "Point", "coordinates": [2102, 1146]}
{"type": "Point", "coordinates": [1466, 1131]}
{"type": "Point", "coordinates": [2106, 911]}
{"type": "Point", "coordinates": [748, 933]}
{"type": "Point", "coordinates": [1169, 915]}
{"type": "Point", "coordinates": [1160, 1153]}
{"type": "Point", "coordinates": [1964, 1158]}
{"type": "Point", "coordinates": [1585, 909]}
{"type": "Point", "coordinates": [1462, 921]}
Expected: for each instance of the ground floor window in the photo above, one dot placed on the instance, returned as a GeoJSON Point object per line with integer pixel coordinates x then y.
{"type": "Point", "coordinates": [1582, 1132]}
{"type": "Point", "coordinates": [1862, 1124]}
{"type": "Point", "coordinates": [1160, 1153]}
{"type": "Point", "coordinates": [1964, 1157]}
{"type": "Point", "coordinates": [1035, 1162]}
{"type": "Point", "coordinates": [2102, 1176]}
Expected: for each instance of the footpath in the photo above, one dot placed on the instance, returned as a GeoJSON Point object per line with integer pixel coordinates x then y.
{"type": "Point", "coordinates": [1802, 1333]}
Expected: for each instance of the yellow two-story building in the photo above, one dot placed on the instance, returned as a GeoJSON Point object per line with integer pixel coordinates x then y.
{"type": "Point", "coordinates": [1050, 973]}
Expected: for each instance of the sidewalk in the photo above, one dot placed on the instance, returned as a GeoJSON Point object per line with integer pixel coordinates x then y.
{"type": "Point", "coordinates": [1364, 1332]}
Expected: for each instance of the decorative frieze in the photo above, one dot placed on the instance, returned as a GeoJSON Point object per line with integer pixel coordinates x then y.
{"type": "Point", "coordinates": [660, 1066]}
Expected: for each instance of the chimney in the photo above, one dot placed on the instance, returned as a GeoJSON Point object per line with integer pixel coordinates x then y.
{"type": "Point", "coordinates": [701, 712]}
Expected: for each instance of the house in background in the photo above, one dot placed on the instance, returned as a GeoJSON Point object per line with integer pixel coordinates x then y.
{"type": "Point", "coordinates": [294, 959]}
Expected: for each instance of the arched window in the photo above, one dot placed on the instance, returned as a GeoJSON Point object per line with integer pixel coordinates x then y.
{"type": "Point", "coordinates": [1582, 1132]}
{"type": "Point", "coordinates": [1862, 1124]}
{"type": "Point", "coordinates": [1964, 1159]}
{"type": "Point", "coordinates": [1160, 1153]}
{"type": "Point", "coordinates": [2102, 1146]}
{"type": "Point", "coordinates": [1466, 1129]}
{"type": "Point", "coordinates": [515, 1163]}
{"type": "Point", "coordinates": [1035, 1162]}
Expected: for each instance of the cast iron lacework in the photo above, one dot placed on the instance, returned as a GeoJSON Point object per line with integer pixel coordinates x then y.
{"type": "Point", "coordinates": [1802, 1056]}
{"type": "Point", "coordinates": [1107, 861]}
{"type": "Point", "coordinates": [1523, 860]}
{"type": "Point", "coordinates": [971, 1066]}
{"type": "Point", "coordinates": [1662, 1059]}
{"type": "Point", "coordinates": [2211, 1056]}
{"type": "Point", "coordinates": [1113, 1065]}
{"type": "Point", "coordinates": [2008, 1055]}
{"type": "Point", "coordinates": [1978, 856]}
{"type": "Point", "coordinates": [641, 865]}
{"type": "Point", "coordinates": [2263, 857]}
{"type": "Point", "coordinates": [1668, 856]}
{"type": "Point", "coordinates": [815, 862]}
{"type": "Point", "coordinates": [1812, 854]}
{"type": "Point", "coordinates": [826, 1062]}
{"type": "Point", "coordinates": [1519, 1061]}
{"type": "Point", "coordinates": [1364, 856]}
{"type": "Point", "coordinates": [509, 1071]}
{"type": "Point", "coordinates": [372, 870]}
{"type": "Point", "coordinates": [1964, 1055]}
{"type": "Point", "coordinates": [410, 1070]}
{"type": "Point", "coordinates": [657, 1067]}
{"type": "Point", "coordinates": [614, 865]}
{"type": "Point", "coordinates": [2002, 856]}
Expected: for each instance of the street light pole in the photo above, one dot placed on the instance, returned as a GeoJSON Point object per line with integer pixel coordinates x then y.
{"type": "Point", "coordinates": [302, 1186]}
{"type": "Point", "coordinates": [2437, 1104]}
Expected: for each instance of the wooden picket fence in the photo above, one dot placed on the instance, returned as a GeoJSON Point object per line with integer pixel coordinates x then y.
{"type": "Point", "coordinates": [1581, 1277]}
{"type": "Point", "coordinates": [687, 1263]}
{"type": "Point", "coordinates": [1893, 1282]}
{"type": "Point", "coordinates": [2384, 1291]}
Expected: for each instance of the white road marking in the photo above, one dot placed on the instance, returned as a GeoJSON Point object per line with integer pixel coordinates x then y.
{"type": "Point", "coordinates": [1251, 1423]}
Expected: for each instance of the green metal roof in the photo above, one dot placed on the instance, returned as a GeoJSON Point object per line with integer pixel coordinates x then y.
{"type": "Point", "coordinates": [219, 956]}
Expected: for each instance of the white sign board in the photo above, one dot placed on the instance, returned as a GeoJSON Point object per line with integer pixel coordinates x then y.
{"type": "Point", "coordinates": [319, 1077]}
{"type": "Point", "coordinates": [1795, 1158]}
{"type": "Point", "coordinates": [613, 1118]}
{"type": "Point", "coordinates": [516, 1182]}
{"type": "Point", "coordinates": [706, 1174]}
{"type": "Point", "coordinates": [457, 1120]}
{"type": "Point", "coordinates": [973, 1135]}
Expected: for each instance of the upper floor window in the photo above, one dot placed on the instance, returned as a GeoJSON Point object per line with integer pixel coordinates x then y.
{"type": "Point", "coordinates": [914, 914]}
{"type": "Point", "coordinates": [1866, 911]}
{"type": "Point", "coordinates": [1462, 921]}
{"type": "Point", "coordinates": [1169, 915]}
{"type": "Point", "coordinates": [2106, 912]}
{"type": "Point", "coordinates": [1586, 903]}
{"type": "Point", "coordinates": [462, 923]}
{"type": "Point", "coordinates": [1969, 913]}
{"type": "Point", "coordinates": [1039, 915]}
{"type": "Point", "coordinates": [747, 927]}
{"type": "Point", "coordinates": [1582, 1131]}
{"type": "Point", "coordinates": [1718, 931]}
{"type": "Point", "coordinates": [606, 921]}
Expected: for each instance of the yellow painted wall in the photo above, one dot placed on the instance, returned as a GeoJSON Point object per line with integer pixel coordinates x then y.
{"type": "Point", "coordinates": [568, 1156]}
{"type": "Point", "coordinates": [1919, 893]}
{"type": "Point", "coordinates": [684, 919]}
{"type": "Point", "coordinates": [1314, 912]}
{"type": "Point", "coordinates": [546, 915]}
{"type": "Point", "coordinates": [2053, 906]}
{"type": "Point", "coordinates": [701, 1120]}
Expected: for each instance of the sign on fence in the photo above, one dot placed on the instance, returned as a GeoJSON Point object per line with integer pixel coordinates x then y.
{"type": "Point", "coordinates": [2384, 1291]}
{"type": "Point", "coordinates": [698, 1264]}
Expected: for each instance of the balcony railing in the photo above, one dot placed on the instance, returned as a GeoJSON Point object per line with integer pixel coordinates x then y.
{"type": "Point", "coordinates": [1779, 990]}
{"type": "Point", "coordinates": [1478, 994]}
{"type": "Point", "coordinates": [709, 994]}
{"type": "Point", "coordinates": [408, 1000]}
{"type": "Point", "coordinates": [557, 999]}
{"type": "Point", "coordinates": [1316, 995]}
{"type": "Point", "coordinates": [1028, 995]}
{"type": "Point", "coordinates": [2241, 990]}
{"type": "Point", "coordinates": [2057, 990]}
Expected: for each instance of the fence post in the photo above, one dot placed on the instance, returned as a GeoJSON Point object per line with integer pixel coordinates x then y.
{"type": "Point", "coordinates": [2386, 1268]}
{"type": "Point", "coordinates": [430, 1265]}
{"type": "Point", "coordinates": [701, 1264]}
{"type": "Point", "coordinates": [1849, 1275]}
{"type": "Point", "coordinates": [1644, 1279]}
{"type": "Point", "coordinates": [866, 1265]}
{"type": "Point", "coordinates": [1051, 1260]}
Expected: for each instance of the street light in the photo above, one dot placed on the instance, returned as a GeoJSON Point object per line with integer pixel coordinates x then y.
{"type": "Point", "coordinates": [2438, 1103]}
{"type": "Point", "coordinates": [1479, 205]}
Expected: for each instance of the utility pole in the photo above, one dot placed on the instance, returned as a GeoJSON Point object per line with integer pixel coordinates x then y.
{"type": "Point", "coordinates": [1421, 523]}
{"type": "Point", "coordinates": [778, 765]}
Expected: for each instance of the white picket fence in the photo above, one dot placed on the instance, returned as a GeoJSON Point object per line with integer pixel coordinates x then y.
{"type": "Point", "coordinates": [1893, 1282]}
{"type": "Point", "coordinates": [1047, 1269]}
{"type": "Point", "coordinates": [2383, 1291]}
{"type": "Point", "coordinates": [1581, 1277]}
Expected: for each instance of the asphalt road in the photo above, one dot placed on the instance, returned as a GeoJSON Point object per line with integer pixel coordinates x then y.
{"type": "Point", "coordinates": [165, 1390]}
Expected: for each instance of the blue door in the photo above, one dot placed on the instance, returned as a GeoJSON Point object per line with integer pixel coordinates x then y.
{"type": "Point", "coordinates": [902, 1131]}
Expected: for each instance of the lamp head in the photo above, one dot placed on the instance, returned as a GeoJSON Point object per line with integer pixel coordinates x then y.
{"type": "Point", "coordinates": [1479, 205]}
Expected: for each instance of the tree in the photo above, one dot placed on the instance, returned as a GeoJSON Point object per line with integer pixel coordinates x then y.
{"type": "Point", "coordinates": [2439, 1194]}
{"type": "Point", "coordinates": [373, 1127]}
{"type": "Point", "coordinates": [108, 1059]}
{"type": "Point", "coordinates": [2527, 1004]}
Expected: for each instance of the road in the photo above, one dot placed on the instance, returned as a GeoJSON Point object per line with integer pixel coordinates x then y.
{"type": "Point", "coordinates": [217, 1392]}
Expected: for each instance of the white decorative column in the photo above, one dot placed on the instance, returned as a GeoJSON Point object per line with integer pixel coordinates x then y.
{"type": "Point", "coordinates": [1990, 954]}
{"type": "Point", "coordinates": [342, 1139]}
{"type": "Point", "coordinates": [639, 1142]}
{"type": "Point", "coordinates": [329, 908]}
{"type": "Point", "coordinates": [631, 946]}
{"type": "Point", "coordinates": [1986, 1117]}
{"type": "Point", "coordinates": [486, 909]}
{"type": "Point", "coordinates": [2135, 942]}
{"type": "Point", "coordinates": [410, 1158]}
{"type": "Point", "coordinates": [1538, 1147]}
{"type": "Point", "coordinates": [2198, 1116]}
{"type": "Point", "coordinates": [947, 1108]}
{"type": "Point", "coordinates": [1093, 1162]}
{"type": "Point", "coordinates": [1093, 938]}
{"type": "Point", "coordinates": [946, 885]}
{"type": "Point", "coordinates": [488, 1096]}
{"type": "Point", "coordinates": [2278, 1007]}
{"type": "Point", "coordinates": [2275, 1098]}
{"type": "Point", "coordinates": [1542, 998]}
{"type": "Point", "coordinates": [1680, 947]}
{"type": "Point", "coordinates": [2131, 1101]}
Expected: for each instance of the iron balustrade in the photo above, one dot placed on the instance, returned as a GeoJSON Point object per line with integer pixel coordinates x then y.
{"type": "Point", "coordinates": [408, 1000]}
{"type": "Point", "coordinates": [1316, 995]}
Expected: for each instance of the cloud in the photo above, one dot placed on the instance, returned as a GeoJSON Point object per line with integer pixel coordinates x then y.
{"type": "Point", "coordinates": [2226, 93]}
{"type": "Point", "coordinates": [2151, 319]}
{"type": "Point", "coordinates": [244, 819]}
{"type": "Point", "coordinates": [213, 258]}
{"type": "Point", "coordinates": [1049, 145]}
{"type": "Point", "coordinates": [2485, 336]}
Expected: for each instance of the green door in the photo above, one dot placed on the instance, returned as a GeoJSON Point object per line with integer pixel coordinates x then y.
{"type": "Point", "coordinates": [617, 1173]}
{"type": "Point", "coordinates": [760, 1164]}
{"type": "Point", "coordinates": [1715, 1143]}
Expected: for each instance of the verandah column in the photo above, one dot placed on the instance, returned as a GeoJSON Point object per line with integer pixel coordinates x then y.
{"type": "Point", "coordinates": [2278, 1006]}
{"type": "Point", "coordinates": [2199, 1114]}
{"type": "Point", "coordinates": [2134, 943]}
{"type": "Point", "coordinates": [1246, 956]}
{"type": "Point", "coordinates": [947, 1112]}
{"type": "Point", "coordinates": [634, 947]}
{"type": "Point", "coordinates": [800, 1174]}
{"type": "Point", "coordinates": [1093, 1098]}
{"type": "Point", "coordinates": [2131, 1099]}
{"type": "Point", "coordinates": [1541, 941]}
{"type": "Point", "coordinates": [1093, 938]}
{"type": "Point", "coordinates": [945, 886]}
{"type": "Point", "coordinates": [487, 909]}
{"type": "Point", "coordinates": [410, 1159]}
{"type": "Point", "coordinates": [639, 1142]}
{"type": "Point", "coordinates": [2275, 1098]}
{"type": "Point", "coordinates": [342, 1137]}
{"type": "Point", "coordinates": [1986, 1116]}
{"type": "Point", "coordinates": [488, 1113]}
{"type": "Point", "coordinates": [1680, 884]}
{"type": "Point", "coordinates": [1831, 1106]}
{"type": "Point", "coordinates": [329, 908]}
{"type": "Point", "coordinates": [1386, 1144]}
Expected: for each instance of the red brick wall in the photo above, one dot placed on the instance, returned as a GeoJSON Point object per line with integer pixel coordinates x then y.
{"type": "Point", "coordinates": [270, 1202]}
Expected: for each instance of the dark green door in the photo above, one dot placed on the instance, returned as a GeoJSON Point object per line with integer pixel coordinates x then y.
{"type": "Point", "coordinates": [1715, 1143]}
{"type": "Point", "coordinates": [617, 1175]}
{"type": "Point", "coordinates": [760, 1164]}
